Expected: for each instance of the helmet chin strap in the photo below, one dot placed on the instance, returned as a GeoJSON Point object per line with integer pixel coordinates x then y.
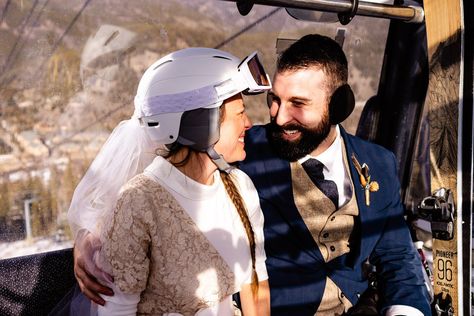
{"type": "Point", "coordinates": [218, 160]}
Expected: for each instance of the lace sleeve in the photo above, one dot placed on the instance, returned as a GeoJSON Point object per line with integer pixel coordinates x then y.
{"type": "Point", "coordinates": [125, 240]}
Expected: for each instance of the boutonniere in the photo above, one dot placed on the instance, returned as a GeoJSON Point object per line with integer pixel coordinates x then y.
{"type": "Point", "coordinates": [367, 184]}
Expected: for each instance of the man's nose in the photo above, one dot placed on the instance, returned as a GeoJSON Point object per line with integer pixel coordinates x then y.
{"type": "Point", "coordinates": [280, 112]}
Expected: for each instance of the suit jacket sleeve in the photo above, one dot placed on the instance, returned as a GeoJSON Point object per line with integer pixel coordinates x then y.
{"type": "Point", "coordinates": [399, 272]}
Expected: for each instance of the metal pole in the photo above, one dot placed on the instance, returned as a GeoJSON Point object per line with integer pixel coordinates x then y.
{"type": "Point", "coordinates": [411, 13]}
{"type": "Point", "coordinates": [27, 205]}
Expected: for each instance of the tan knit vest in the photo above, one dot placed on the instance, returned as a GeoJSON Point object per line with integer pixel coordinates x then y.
{"type": "Point", "coordinates": [331, 229]}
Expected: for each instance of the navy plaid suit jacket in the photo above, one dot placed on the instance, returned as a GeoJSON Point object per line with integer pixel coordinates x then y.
{"type": "Point", "coordinates": [296, 269]}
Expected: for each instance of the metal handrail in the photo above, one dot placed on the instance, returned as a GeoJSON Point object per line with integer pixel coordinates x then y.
{"type": "Point", "coordinates": [410, 13]}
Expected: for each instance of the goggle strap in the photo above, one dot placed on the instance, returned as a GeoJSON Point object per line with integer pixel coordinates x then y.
{"type": "Point", "coordinates": [177, 102]}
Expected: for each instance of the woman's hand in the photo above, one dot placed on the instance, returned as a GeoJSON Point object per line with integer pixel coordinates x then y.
{"type": "Point", "coordinates": [86, 271]}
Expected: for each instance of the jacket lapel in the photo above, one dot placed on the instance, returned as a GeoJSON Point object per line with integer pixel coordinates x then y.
{"type": "Point", "coordinates": [371, 217]}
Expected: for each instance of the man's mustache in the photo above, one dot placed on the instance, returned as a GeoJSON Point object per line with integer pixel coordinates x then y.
{"type": "Point", "coordinates": [288, 126]}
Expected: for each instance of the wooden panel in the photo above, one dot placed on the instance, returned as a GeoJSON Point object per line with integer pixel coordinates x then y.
{"type": "Point", "coordinates": [443, 28]}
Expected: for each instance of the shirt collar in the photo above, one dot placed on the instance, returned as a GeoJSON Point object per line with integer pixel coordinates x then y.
{"type": "Point", "coordinates": [327, 156]}
{"type": "Point", "coordinates": [162, 171]}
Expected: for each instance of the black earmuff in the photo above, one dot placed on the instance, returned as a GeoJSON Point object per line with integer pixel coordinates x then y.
{"type": "Point", "coordinates": [341, 105]}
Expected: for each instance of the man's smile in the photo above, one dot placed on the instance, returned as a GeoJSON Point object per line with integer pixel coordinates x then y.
{"type": "Point", "coordinates": [291, 134]}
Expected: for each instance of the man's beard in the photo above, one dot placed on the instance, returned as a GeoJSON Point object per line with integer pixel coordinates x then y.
{"type": "Point", "coordinates": [308, 141]}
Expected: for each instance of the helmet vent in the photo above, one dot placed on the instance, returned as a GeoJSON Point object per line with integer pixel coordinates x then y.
{"type": "Point", "coordinates": [156, 67]}
{"type": "Point", "coordinates": [222, 57]}
{"type": "Point", "coordinates": [153, 124]}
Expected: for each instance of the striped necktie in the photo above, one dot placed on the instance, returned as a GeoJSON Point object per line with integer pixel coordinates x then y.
{"type": "Point", "coordinates": [314, 169]}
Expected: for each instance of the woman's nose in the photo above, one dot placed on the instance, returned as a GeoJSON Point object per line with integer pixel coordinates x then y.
{"type": "Point", "coordinates": [247, 122]}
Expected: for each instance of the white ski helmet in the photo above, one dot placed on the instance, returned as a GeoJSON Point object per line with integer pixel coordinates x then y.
{"type": "Point", "coordinates": [179, 95]}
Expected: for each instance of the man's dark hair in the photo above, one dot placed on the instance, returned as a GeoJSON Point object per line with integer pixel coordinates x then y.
{"type": "Point", "coordinates": [319, 51]}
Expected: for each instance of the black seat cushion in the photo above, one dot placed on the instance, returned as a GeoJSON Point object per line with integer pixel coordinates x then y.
{"type": "Point", "coordinates": [33, 285]}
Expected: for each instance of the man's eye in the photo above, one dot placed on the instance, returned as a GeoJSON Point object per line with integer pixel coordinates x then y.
{"type": "Point", "coordinates": [297, 103]}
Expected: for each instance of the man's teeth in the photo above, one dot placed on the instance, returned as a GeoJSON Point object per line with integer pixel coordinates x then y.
{"type": "Point", "coordinates": [291, 132]}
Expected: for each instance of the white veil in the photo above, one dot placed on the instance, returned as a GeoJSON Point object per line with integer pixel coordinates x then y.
{"type": "Point", "coordinates": [126, 153]}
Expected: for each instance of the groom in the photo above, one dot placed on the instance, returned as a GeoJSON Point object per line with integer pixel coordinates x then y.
{"type": "Point", "coordinates": [330, 200]}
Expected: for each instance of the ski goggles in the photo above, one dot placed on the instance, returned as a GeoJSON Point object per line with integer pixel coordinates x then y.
{"type": "Point", "coordinates": [254, 74]}
{"type": "Point", "coordinates": [250, 78]}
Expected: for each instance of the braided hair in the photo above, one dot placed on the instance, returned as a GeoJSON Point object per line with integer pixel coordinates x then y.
{"type": "Point", "coordinates": [236, 198]}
